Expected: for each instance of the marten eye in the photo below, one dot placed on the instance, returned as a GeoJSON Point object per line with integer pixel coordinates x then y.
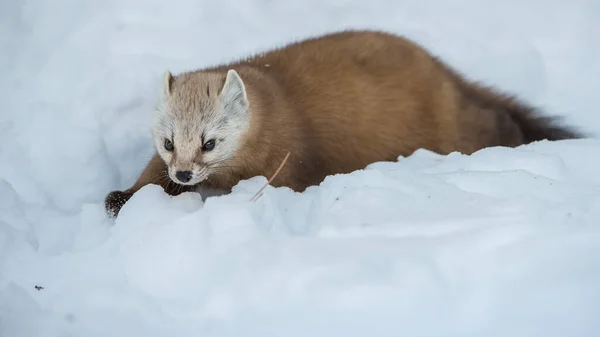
{"type": "Point", "coordinates": [168, 145]}
{"type": "Point", "coordinates": [209, 145]}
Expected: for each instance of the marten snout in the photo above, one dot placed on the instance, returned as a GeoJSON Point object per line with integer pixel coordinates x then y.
{"type": "Point", "coordinates": [184, 176]}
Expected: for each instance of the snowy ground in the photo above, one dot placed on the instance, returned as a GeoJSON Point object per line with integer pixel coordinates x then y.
{"type": "Point", "coordinates": [505, 242]}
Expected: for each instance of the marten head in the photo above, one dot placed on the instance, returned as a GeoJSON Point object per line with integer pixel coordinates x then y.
{"type": "Point", "coordinates": [200, 123]}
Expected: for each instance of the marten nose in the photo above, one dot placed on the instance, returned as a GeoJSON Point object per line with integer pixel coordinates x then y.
{"type": "Point", "coordinates": [183, 176]}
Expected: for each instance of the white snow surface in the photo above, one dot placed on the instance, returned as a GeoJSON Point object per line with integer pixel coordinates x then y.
{"type": "Point", "coordinates": [505, 242]}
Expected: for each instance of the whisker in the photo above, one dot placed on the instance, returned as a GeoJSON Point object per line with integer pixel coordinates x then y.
{"type": "Point", "coordinates": [223, 164]}
{"type": "Point", "coordinates": [226, 166]}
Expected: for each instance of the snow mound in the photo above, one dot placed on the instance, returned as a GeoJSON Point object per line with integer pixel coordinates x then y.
{"type": "Point", "coordinates": [504, 242]}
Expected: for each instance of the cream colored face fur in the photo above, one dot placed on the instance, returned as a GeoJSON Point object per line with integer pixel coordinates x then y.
{"type": "Point", "coordinates": [195, 109]}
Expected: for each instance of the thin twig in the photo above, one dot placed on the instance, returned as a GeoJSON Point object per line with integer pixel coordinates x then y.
{"type": "Point", "coordinates": [259, 193]}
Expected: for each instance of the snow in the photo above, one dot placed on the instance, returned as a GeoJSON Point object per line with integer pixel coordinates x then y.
{"type": "Point", "coordinates": [505, 242]}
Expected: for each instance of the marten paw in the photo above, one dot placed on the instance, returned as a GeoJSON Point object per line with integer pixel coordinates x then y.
{"type": "Point", "coordinates": [114, 201]}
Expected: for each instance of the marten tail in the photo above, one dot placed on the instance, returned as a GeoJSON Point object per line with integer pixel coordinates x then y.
{"type": "Point", "coordinates": [534, 126]}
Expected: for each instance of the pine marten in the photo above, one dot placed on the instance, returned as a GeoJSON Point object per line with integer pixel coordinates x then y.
{"type": "Point", "coordinates": [336, 103]}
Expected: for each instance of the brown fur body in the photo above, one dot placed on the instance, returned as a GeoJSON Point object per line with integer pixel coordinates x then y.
{"type": "Point", "coordinates": [344, 100]}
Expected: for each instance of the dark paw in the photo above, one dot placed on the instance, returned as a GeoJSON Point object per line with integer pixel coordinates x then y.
{"type": "Point", "coordinates": [114, 201]}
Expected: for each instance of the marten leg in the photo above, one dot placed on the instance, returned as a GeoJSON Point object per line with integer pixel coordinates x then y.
{"type": "Point", "coordinates": [154, 173]}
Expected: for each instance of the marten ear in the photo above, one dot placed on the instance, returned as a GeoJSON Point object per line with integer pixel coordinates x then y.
{"type": "Point", "coordinates": [167, 84]}
{"type": "Point", "coordinates": [233, 95]}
